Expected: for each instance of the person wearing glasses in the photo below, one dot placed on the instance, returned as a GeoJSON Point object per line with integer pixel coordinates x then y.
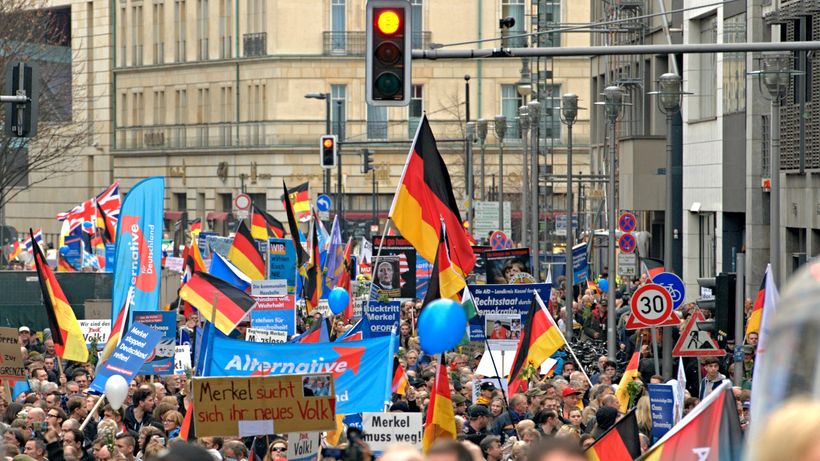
{"type": "Point", "coordinates": [278, 450]}
{"type": "Point", "coordinates": [55, 418]}
{"type": "Point", "coordinates": [171, 422]}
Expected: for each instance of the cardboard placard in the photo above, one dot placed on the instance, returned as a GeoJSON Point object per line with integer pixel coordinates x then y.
{"type": "Point", "coordinates": [262, 405]}
{"type": "Point", "coordinates": [12, 366]}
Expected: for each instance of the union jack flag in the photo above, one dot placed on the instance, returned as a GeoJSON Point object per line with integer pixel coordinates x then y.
{"type": "Point", "coordinates": [108, 203]}
{"type": "Point", "coordinates": [38, 237]}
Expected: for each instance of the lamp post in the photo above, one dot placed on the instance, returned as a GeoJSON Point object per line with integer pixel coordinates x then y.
{"type": "Point", "coordinates": [481, 130]}
{"type": "Point", "coordinates": [326, 98]}
{"type": "Point", "coordinates": [500, 131]}
{"type": "Point", "coordinates": [524, 125]}
{"type": "Point", "coordinates": [339, 204]}
{"type": "Point", "coordinates": [468, 143]}
{"type": "Point", "coordinates": [613, 103]}
{"type": "Point", "coordinates": [569, 113]}
{"type": "Point", "coordinates": [670, 92]}
{"type": "Point", "coordinates": [774, 75]}
{"type": "Point", "coordinates": [535, 116]}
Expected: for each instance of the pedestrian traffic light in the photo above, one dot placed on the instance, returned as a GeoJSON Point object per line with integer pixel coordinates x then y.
{"type": "Point", "coordinates": [327, 151]}
{"type": "Point", "coordinates": [22, 81]}
{"type": "Point", "coordinates": [367, 161]}
{"type": "Point", "coordinates": [388, 69]}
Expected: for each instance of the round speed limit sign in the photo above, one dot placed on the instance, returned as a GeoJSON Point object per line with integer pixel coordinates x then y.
{"type": "Point", "coordinates": [651, 305]}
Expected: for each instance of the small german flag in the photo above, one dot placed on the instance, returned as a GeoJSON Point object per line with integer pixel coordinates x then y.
{"type": "Point", "coordinates": [301, 254]}
{"type": "Point", "coordinates": [299, 199]}
{"type": "Point", "coordinates": [441, 421]}
{"type": "Point", "coordinates": [265, 226]}
{"type": "Point", "coordinates": [193, 258]}
{"type": "Point", "coordinates": [69, 342]}
{"type": "Point", "coordinates": [400, 383]}
{"type": "Point", "coordinates": [630, 374]}
{"type": "Point", "coordinates": [540, 339]}
{"type": "Point", "coordinates": [206, 293]}
{"type": "Point", "coordinates": [620, 443]}
{"type": "Point", "coordinates": [312, 288]}
{"type": "Point", "coordinates": [245, 255]}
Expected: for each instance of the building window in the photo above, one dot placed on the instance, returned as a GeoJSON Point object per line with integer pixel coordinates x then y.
{"type": "Point", "coordinates": [706, 91]}
{"type": "Point", "coordinates": [123, 120]}
{"type": "Point", "coordinates": [510, 102]}
{"type": "Point", "coordinates": [202, 29]}
{"type": "Point", "coordinates": [338, 25]}
{"type": "Point", "coordinates": [159, 33]}
{"type": "Point", "coordinates": [549, 121]}
{"type": "Point", "coordinates": [734, 66]}
{"type": "Point", "coordinates": [203, 111]}
{"type": "Point", "coordinates": [416, 23]}
{"type": "Point", "coordinates": [136, 35]}
{"type": "Point", "coordinates": [225, 30]}
{"type": "Point", "coordinates": [181, 117]}
{"type": "Point", "coordinates": [338, 96]}
{"type": "Point", "coordinates": [515, 8]}
{"type": "Point", "coordinates": [137, 117]}
{"type": "Point", "coordinates": [415, 110]}
{"type": "Point", "coordinates": [159, 107]}
{"type": "Point", "coordinates": [181, 201]}
{"type": "Point", "coordinates": [260, 200]}
{"type": "Point", "coordinates": [552, 17]}
{"type": "Point", "coordinates": [180, 26]}
{"type": "Point", "coordinates": [226, 104]}
{"type": "Point", "coordinates": [257, 102]}
{"type": "Point", "coordinates": [706, 249]}
{"type": "Point", "coordinates": [376, 122]}
{"type": "Point", "coordinates": [123, 36]}
{"type": "Point", "coordinates": [256, 16]}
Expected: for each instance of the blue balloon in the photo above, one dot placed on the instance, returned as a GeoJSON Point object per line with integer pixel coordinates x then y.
{"type": "Point", "coordinates": [338, 300]}
{"type": "Point", "coordinates": [441, 326]}
{"type": "Point", "coordinates": [603, 284]}
{"type": "Point", "coordinates": [64, 250]}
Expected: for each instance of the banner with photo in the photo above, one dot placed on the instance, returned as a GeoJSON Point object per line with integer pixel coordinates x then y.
{"type": "Point", "coordinates": [161, 362]}
{"type": "Point", "coordinates": [394, 273]}
{"type": "Point", "coordinates": [508, 266]}
{"type": "Point", "coordinates": [503, 311]}
{"type": "Point", "coordinates": [479, 273]}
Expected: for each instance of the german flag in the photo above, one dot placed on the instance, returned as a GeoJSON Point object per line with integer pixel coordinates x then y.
{"type": "Point", "coordinates": [265, 226]}
{"type": "Point", "coordinates": [206, 292]}
{"type": "Point", "coordinates": [345, 278]}
{"type": "Point", "coordinates": [69, 342]}
{"type": "Point", "coordinates": [444, 281]}
{"type": "Point", "coordinates": [120, 326]}
{"type": "Point", "coordinates": [299, 199]}
{"type": "Point", "coordinates": [196, 226]}
{"type": "Point", "coordinates": [711, 431]}
{"type": "Point", "coordinates": [424, 199]}
{"type": "Point", "coordinates": [630, 374]}
{"type": "Point", "coordinates": [245, 255]}
{"type": "Point", "coordinates": [107, 224]}
{"type": "Point", "coordinates": [312, 287]}
{"type": "Point", "coordinates": [620, 443]}
{"type": "Point", "coordinates": [441, 420]}
{"type": "Point", "coordinates": [540, 339]}
{"type": "Point", "coordinates": [753, 324]}
{"type": "Point", "coordinates": [193, 258]}
{"type": "Point", "coordinates": [301, 254]}
{"type": "Point", "coordinates": [400, 382]}
{"type": "Point", "coordinates": [651, 266]}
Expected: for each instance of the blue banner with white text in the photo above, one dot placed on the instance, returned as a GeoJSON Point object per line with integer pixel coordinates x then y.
{"type": "Point", "coordinates": [161, 362]}
{"type": "Point", "coordinates": [503, 300]}
{"type": "Point", "coordinates": [580, 266]}
{"type": "Point", "coordinates": [383, 317]}
{"type": "Point", "coordinates": [662, 408]}
{"type": "Point", "coordinates": [136, 347]}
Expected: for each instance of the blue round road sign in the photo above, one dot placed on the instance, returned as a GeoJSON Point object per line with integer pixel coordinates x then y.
{"type": "Point", "coordinates": [673, 284]}
{"type": "Point", "coordinates": [323, 203]}
{"type": "Point", "coordinates": [627, 243]}
{"type": "Point", "coordinates": [627, 222]}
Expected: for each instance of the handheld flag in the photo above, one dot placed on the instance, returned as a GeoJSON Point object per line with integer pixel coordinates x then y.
{"type": "Point", "coordinates": [345, 278]}
{"type": "Point", "coordinates": [444, 281]}
{"type": "Point", "coordinates": [540, 338]}
{"type": "Point", "coordinates": [312, 287]}
{"type": "Point", "coordinates": [630, 374]}
{"type": "Point", "coordinates": [424, 198]}
{"type": "Point", "coordinates": [265, 226]}
{"type": "Point", "coordinates": [441, 420]}
{"type": "Point", "coordinates": [620, 443]}
{"type": "Point", "coordinates": [358, 332]}
{"type": "Point", "coordinates": [301, 254]}
{"type": "Point", "coordinates": [69, 342]}
{"type": "Point", "coordinates": [246, 255]}
{"type": "Point", "coordinates": [317, 333]}
{"type": "Point", "coordinates": [755, 318]}
{"type": "Point", "coordinates": [117, 331]}
{"type": "Point", "coordinates": [335, 254]}
{"type": "Point", "coordinates": [400, 383]}
{"type": "Point", "coordinates": [206, 293]}
{"type": "Point", "coordinates": [770, 300]}
{"type": "Point", "coordinates": [299, 199]}
{"type": "Point", "coordinates": [223, 269]}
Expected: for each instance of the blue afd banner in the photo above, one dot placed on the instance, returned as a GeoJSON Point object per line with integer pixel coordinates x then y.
{"type": "Point", "coordinates": [580, 267]}
{"type": "Point", "coordinates": [282, 262]}
{"type": "Point", "coordinates": [161, 362]}
{"type": "Point", "coordinates": [362, 370]}
{"type": "Point", "coordinates": [383, 317]}
{"type": "Point", "coordinates": [662, 407]}
{"type": "Point", "coordinates": [503, 300]}
{"type": "Point", "coordinates": [139, 247]}
{"type": "Point", "coordinates": [136, 347]}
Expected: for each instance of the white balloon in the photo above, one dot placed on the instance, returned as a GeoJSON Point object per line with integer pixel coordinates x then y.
{"type": "Point", "coordinates": [116, 390]}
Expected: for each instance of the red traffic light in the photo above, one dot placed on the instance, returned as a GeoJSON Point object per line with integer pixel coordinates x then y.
{"type": "Point", "coordinates": [388, 22]}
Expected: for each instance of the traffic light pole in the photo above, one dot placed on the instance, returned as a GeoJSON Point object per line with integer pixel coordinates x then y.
{"type": "Point", "coordinates": [339, 205]}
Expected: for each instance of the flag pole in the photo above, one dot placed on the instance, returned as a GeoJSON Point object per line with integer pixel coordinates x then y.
{"type": "Point", "coordinates": [569, 348]}
{"type": "Point", "coordinates": [373, 265]}
{"type": "Point", "coordinates": [497, 374]}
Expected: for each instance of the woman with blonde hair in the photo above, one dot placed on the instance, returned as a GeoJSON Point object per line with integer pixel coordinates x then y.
{"type": "Point", "coordinates": [643, 413]}
{"type": "Point", "coordinates": [172, 423]}
{"type": "Point", "coordinates": [277, 450]}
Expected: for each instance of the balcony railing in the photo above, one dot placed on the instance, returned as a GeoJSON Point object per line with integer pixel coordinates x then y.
{"type": "Point", "coordinates": [255, 44]}
{"type": "Point", "coordinates": [353, 43]}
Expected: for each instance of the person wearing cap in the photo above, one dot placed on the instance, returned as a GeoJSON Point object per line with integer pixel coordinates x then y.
{"type": "Point", "coordinates": [459, 405]}
{"type": "Point", "coordinates": [476, 428]}
{"type": "Point", "coordinates": [536, 398]}
{"type": "Point", "coordinates": [570, 395]}
{"type": "Point", "coordinates": [25, 339]}
{"type": "Point", "coordinates": [485, 393]}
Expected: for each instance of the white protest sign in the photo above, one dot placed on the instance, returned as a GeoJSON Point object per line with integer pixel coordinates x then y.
{"type": "Point", "coordinates": [174, 264]}
{"type": "Point", "coordinates": [303, 446]}
{"type": "Point", "coordinates": [259, 335]}
{"type": "Point", "coordinates": [384, 429]}
{"type": "Point", "coordinates": [98, 329]}
{"type": "Point", "coordinates": [182, 359]}
{"type": "Point", "coordinates": [269, 288]}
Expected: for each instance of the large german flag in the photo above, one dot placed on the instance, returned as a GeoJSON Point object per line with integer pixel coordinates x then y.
{"type": "Point", "coordinates": [620, 443]}
{"type": "Point", "coordinates": [301, 254]}
{"type": "Point", "coordinates": [265, 226]}
{"type": "Point", "coordinates": [424, 199]}
{"type": "Point", "coordinates": [441, 420]}
{"type": "Point", "coordinates": [299, 199]}
{"type": "Point", "coordinates": [444, 281]}
{"type": "Point", "coordinates": [245, 255]}
{"type": "Point", "coordinates": [630, 374]}
{"type": "Point", "coordinates": [711, 431]}
{"type": "Point", "coordinates": [206, 293]}
{"type": "Point", "coordinates": [312, 287]}
{"type": "Point", "coordinates": [69, 342]}
{"type": "Point", "coordinates": [540, 339]}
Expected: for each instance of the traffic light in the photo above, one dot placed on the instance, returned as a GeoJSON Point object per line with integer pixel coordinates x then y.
{"type": "Point", "coordinates": [22, 80]}
{"type": "Point", "coordinates": [327, 151]}
{"type": "Point", "coordinates": [367, 161]}
{"type": "Point", "coordinates": [388, 69]}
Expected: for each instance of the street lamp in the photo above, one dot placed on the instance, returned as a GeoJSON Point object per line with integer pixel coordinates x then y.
{"type": "Point", "coordinates": [524, 84]}
{"type": "Point", "coordinates": [481, 131]}
{"type": "Point", "coordinates": [468, 143]}
{"type": "Point", "coordinates": [670, 93]}
{"type": "Point", "coordinates": [613, 104]}
{"type": "Point", "coordinates": [774, 76]}
{"type": "Point", "coordinates": [569, 113]}
{"type": "Point", "coordinates": [535, 116]}
{"type": "Point", "coordinates": [326, 98]}
{"type": "Point", "coordinates": [500, 131]}
{"type": "Point", "coordinates": [524, 125]}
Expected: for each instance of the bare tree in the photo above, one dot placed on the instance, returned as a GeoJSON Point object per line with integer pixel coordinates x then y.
{"type": "Point", "coordinates": [33, 33]}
